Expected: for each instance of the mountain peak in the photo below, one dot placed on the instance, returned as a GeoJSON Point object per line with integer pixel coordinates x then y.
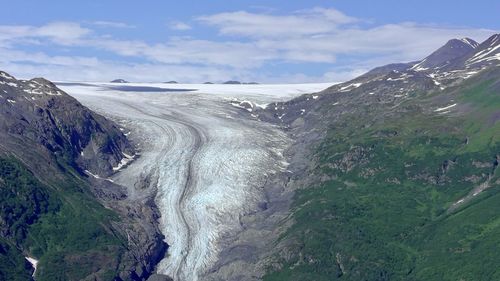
{"type": "Point", "coordinates": [119, 81]}
{"type": "Point", "coordinates": [462, 45]}
{"type": "Point", "coordinates": [487, 52]}
{"type": "Point", "coordinates": [6, 76]}
{"type": "Point", "coordinates": [470, 42]}
{"type": "Point", "coordinates": [453, 49]}
{"type": "Point", "coordinates": [492, 40]}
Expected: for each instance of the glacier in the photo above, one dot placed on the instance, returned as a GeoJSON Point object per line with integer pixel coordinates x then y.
{"type": "Point", "coordinates": [208, 162]}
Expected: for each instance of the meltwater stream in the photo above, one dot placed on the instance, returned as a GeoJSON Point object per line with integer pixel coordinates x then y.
{"type": "Point", "coordinates": [208, 163]}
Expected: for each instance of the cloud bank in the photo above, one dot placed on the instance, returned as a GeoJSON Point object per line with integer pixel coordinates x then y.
{"type": "Point", "coordinates": [244, 45]}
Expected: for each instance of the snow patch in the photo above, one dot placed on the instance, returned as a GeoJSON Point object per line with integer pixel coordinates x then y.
{"type": "Point", "coordinates": [481, 56]}
{"type": "Point", "coordinates": [12, 84]}
{"type": "Point", "coordinates": [91, 174]}
{"type": "Point", "coordinates": [469, 74]}
{"type": "Point", "coordinates": [470, 43]}
{"type": "Point", "coordinates": [350, 87]}
{"type": "Point", "coordinates": [6, 76]}
{"type": "Point", "coordinates": [395, 79]}
{"type": "Point", "coordinates": [445, 108]}
{"type": "Point", "coordinates": [125, 160]}
{"type": "Point", "coordinates": [261, 105]}
{"type": "Point", "coordinates": [33, 261]}
{"type": "Point", "coordinates": [418, 66]}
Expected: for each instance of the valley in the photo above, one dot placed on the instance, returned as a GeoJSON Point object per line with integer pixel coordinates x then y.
{"type": "Point", "coordinates": [392, 175]}
{"type": "Point", "coordinates": [208, 162]}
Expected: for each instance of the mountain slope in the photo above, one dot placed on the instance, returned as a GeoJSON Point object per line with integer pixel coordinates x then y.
{"type": "Point", "coordinates": [452, 50]}
{"type": "Point", "coordinates": [396, 173]}
{"type": "Point", "coordinates": [57, 205]}
{"type": "Point", "coordinates": [36, 112]}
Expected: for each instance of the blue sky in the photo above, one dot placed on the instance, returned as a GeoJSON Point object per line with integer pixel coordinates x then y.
{"type": "Point", "coordinates": [198, 41]}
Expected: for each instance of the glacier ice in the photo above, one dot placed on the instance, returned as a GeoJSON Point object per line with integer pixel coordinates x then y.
{"type": "Point", "coordinates": [208, 162]}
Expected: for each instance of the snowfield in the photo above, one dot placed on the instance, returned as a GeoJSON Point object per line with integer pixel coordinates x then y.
{"type": "Point", "coordinates": [208, 162]}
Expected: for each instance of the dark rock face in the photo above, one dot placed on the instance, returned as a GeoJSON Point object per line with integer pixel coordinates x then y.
{"type": "Point", "coordinates": [56, 137]}
{"type": "Point", "coordinates": [453, 49]}
{"type": "Point", "coordinates": [171, 82]}
{"type": "Point", "coordinates": [119, 81]}
{"type": "Point", "coordinates": [232, 82]}
{"type": "Point", "coordinates": [159, 277]}
{"type": "Point", "coordinates": [386, 69]}
{"type": "Point", "coordinates": [463, 54]}
{"type": "Point", "coordinates": [39, 112]}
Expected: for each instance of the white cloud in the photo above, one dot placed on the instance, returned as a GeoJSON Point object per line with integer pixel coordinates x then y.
{"type": "Point", "coordinates": [112, 24]}
{"type": "Point", "coordinates": [189, 51]}
{"type": "Point", "coordinates": [346, 45]}
{"type": "Point", "coordinates": [109, 70]}
{"type": "Point", "coordinates": [61, 32]}
{"type": "Point", "coordinates": [181, 26]}
{"type": "Point", "coordinates": [305, 22]}
{"type": "Point", "coordinates": [397, 42]}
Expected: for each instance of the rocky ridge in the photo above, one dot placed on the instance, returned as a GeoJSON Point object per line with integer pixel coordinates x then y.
{"type": "Point", "coordinates": [58, 139]}
{"type": "Point", "coordinates": [428, 86]}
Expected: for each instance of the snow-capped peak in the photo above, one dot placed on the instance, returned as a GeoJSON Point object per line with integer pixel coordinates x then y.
{"type": "Point", "coordinates": [488, 51]}
{"type": "Point", "coordinates": [470, 42]}
{"type": "Point", "coordinates": [495, 39]}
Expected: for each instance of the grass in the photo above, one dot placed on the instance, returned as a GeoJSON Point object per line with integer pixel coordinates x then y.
{"type": "Point", "coordinates": [63, 227]}
{"type": "Point", "coordinates": [384, 216]}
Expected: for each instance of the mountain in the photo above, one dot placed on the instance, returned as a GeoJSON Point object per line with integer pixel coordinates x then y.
{"type": "Point", "coordinates": [460, 58]}
{"type": "Point", "coordinates": [119, 81]}
{"type": "Point", "coordinates": [171, 82]}
{"type": "Point", "coordinates": [454, 49]}
{"type": "Point", "coordinates": [36, 112]}
{"type": "Point", "coordinates": [486, 53]}
{"type": "Point", "coordinates": [58, 206]}
{"type": "Point", "coordinates": [394, 173]}
{"type": "Point", "coordinates": [232, 82]}
{"type": "Point", "coordinates": [238, 83]}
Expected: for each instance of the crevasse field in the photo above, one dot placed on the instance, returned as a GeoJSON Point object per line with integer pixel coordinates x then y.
{"type": "Point", "coordinates": [206, 160]}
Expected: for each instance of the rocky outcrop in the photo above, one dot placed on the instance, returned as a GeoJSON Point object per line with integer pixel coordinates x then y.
{"type": "Point", "coordinates": [424, 88]}
{"type": "Point", "coordinates": [38, 113]}
{"type": "Point", "coordinates": [119, 81]}
{"type": "Point", "coordinates": [57, 138]}
{"type": "Point", "coordinates": [232, 82]}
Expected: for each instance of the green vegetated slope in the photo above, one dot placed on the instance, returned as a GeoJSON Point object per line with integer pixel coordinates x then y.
{"type": "Point", "coordinates": [387, 210]}
{"type": "Point", "coordinates": [61, 226]}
